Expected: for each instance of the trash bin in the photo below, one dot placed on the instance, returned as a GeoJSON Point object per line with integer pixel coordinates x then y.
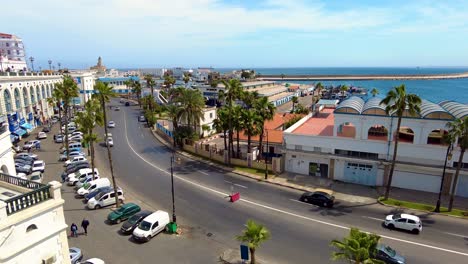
{"type": "Point", "coordinates": [172, 227]}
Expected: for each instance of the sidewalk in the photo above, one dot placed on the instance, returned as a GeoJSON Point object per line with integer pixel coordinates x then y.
{"type": "Point", "coordinates": [343, 191]}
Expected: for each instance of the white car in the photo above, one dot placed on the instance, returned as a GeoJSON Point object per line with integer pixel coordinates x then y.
{"type": "Point", "coordinates": [41, 135]}
{"type": "Point", "coordinates": [110, 142]}
{"type": "Point", "coordinates": [404, 221]}
{"type": "Point", "coordinates": [111, 124]}
{"type": "Point", "coordinates": [93, 261]}
{"type": "Point", "coordinates": [31, 144]}
{"type": "Point", "coordinates": [36, 177]}
{"type": "Point", "coordinates": [76, 138]}
{"type": "Point", "coordinates": [38, 165]}
{"type": "Point", "coordinates": [77, 133]}
{"type": "Point", "coordinates": [74, 160]}
{"type": "Point", "coordinates": [104, 199]}
{"type": "Point", "coordinates": [22, 176]}
{"type": "Point", "coordinates": [74, 178]}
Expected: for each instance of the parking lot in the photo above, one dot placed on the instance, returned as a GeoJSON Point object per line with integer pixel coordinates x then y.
{"type": "Point", "coordinates": [104, 240]}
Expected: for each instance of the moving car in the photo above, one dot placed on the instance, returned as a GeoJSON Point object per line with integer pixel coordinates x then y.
{"type": "Point", "coordinates": [123, 213]}
{"type": "Point", "coordinates": [127, 103]}
{"type": "Point", "coordinates": [75, 255]}
{"type": "Point", "coordinates": [105, 199]}
{"type": "Point", "coordinates": [129, 225]}
{"type": "Point", "coordinates": [117, 108]}
{"type": "Point", "coordinates": [31, 144]}
{"type": "Point", "coordinates": [111, 124]}
{"type": "Point", "coordinates": [152, 225]}
{"type": "Point", "coordinates": [30, 155]}
{"type": "Point", "coordinates": [39, 165]}
{"type": "Point", "coordinates": [404, 221]}
{"type": "Point", "coordinates": [389, 255]}
{"type": "Point", "coordinates": [41, 135]}
{"type": "Point", "coordinates": [110, 142]}
{"type": "Point", "coordinates": [319, 198]}
{"type": "Point", "coordinates": [142, 119]}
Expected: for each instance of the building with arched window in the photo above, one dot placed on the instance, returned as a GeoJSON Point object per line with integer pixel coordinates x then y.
{"type": "Point", "coordinates": [354, 143]}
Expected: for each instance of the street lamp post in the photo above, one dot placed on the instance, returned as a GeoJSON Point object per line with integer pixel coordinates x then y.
{"type": "Point", "coordinates": [266, 157]}
{"type": "Point", "coordinates": [448, 156]}
{"type": "Point", "coordinates": [59, 64]}
{"type": "Point", "coordinates": [50, 64]}
{"type": "Point", "coordinates": [174, 218]}
{"type": "Point", "coordinates": [31, 59]}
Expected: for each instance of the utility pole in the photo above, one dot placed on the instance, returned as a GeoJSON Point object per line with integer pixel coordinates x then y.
{"type": "Point", "coordinates": [50, 64]}
{"type": "Point", "coordinates": [266, 157]}
{"type": "Point", "coordinates": [31, 59]}
{"type": "Point", "coordinates": [59, 64]}
{"type": "Point", "coordinates": [448, 156]}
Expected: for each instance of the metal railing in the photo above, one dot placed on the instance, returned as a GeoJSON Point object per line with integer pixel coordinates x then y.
{"type": "Point", "coordinates": [39, 193]}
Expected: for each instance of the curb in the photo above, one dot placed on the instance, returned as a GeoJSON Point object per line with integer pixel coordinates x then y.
{"type": "Point", "coordinates": [422, 211]}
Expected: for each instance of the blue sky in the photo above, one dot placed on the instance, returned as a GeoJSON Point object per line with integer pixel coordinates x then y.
{"type": "Point", "coordinates": [241, 33]}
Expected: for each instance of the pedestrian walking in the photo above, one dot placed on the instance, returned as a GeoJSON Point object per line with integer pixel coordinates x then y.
{"type": "Point", "coordinates": [74, 230]}
{"type": "Point", "coordinates": [85, 224]}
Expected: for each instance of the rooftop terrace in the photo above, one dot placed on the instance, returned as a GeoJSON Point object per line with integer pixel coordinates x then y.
{"type": "Point", "coordinates": [320, 124]}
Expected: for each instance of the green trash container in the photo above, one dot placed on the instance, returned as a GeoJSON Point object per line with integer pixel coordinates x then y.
{"type": "Point", "coordinates": [172, 227]}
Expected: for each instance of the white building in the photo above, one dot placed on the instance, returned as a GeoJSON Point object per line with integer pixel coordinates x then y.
{"type": "Point", "coordinates": [354, 143]}
{"type": "Point", "coordinates": [85, 81]}
{"type": "Point", "coordinates": [158, 72]}
{"type": "Point", "coordinates": [201, 74]}
{"type": "Point", "coordinates": [23, 100]}
{"type": "Point", "coordinates": [12, 55]}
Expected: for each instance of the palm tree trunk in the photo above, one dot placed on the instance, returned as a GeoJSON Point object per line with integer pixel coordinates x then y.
{"type": "Point", "coordinates": [392, 168]}
{"type": "Point", "coordinates": [252, 255]}
{"type": "Point", "coordinates": [455, 180]}
{"type": "Point", "coordinates": [230, 147]}
{"type": "Point", "coordinates": [238, 144]}
{"type": "Point", "coordinates": [60, 123]}
{"type": "Point", "coordinates": [225, 140]}
{"type": "Point", "coordinates": [117, 204]}
{"type": "Point", "coordinates": [260, 141]}
{"type": "Point", "coordinates": [249, 138]}
{"type": "Point", "coordinates": [66, 131]}
{"type": "Point", "coordinates": [91, 146]}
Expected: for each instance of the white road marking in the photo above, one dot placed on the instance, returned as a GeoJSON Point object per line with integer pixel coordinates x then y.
{"type": "Point", "coordinates": [282, 211]}
{"type": "Point", "coordinates": [242, 186]}
{"type": "Point", "coordinates": [373, 218]}
{"type": "Point", "coordinates": [457, 235]}
{"type": "Point", "coordinates": [228, 181]}
{"type": "Point", "coordinates": [202, 172]}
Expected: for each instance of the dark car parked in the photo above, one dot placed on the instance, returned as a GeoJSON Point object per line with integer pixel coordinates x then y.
{"type": "Point", "coordinates": [75, 168]}
{"type": "Point", "coordinates": [21, 169]}
{"type": "Point", "coordinates": [26, 160]}
{"type": "Point", "coordinates": [318, 198]}
{"type": "Point", "coordinates": [97, 191]}
{"type": "Point", "coordinates": [129, 225]}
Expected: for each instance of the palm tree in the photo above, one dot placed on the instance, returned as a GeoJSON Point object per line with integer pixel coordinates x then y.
{"type": "Point", "coordinates": [374, 92]}
{"type": "Point", "coordinates": [398, 102]}
{"type": "Point", "coordinates": [192, 103]}
{"type": "Point", "coordinates": [458, 129]}
{"type": "Point", "coordinates": [186, 78]}
{"type": "Point", "coordinates": [254, 235]}
{"type": "Point", "coordinates": [67, 91]}
{"type": "Point", "coordinates": [266, 111]}
{"type": "Point", "coordinates": [221, 124]}
{"type": "Point", "coordinates": [294, 101]}
{"type": "Point", "coordinates": [358, 247]}
{"type": "Point", "coordinates": [169, 81]}
{"type": "Point", "coordinates": [128, 84]}
{"type": "Point", "coordinates": [233, 89]}
{"type": "Point", "coordinates": [173, 112]}
{"type": "Point", "coordinates": [56, 101]}
{"type": "Point", "coordinates": [343, 90]}
{"type": "Point", "coordinates": [150, 82]}
{"type": "Point", "coordinates": [250, 122]}
{"type": "Point", "coordinates": [136, 89]}
{"type": "Point", "coordinates": [237, 125]}
{"type": "Point", "coordinates": [103, 94]}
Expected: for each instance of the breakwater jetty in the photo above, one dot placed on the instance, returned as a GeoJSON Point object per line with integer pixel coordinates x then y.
{"type": "Point", "coordinates": [280, 77]}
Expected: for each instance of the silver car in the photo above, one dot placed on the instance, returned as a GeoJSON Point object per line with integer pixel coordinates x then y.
{"type": "Point", "coordinates": [75, 255]}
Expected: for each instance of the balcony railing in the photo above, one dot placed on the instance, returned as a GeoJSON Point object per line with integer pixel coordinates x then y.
{"type": "Point", "coordinates": [39, 193]}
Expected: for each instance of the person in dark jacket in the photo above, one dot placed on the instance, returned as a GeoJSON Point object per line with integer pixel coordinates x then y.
{"type": "Point", "coordinates": [74, 230]}
{"type": "Point", "coordinates": [84, 225]}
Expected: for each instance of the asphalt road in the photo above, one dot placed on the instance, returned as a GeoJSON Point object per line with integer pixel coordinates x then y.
{"type": "Point", "coordinates": [300, 232]}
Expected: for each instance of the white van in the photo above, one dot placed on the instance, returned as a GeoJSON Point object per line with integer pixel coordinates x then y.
{"type": "Point", "coordinates": [92, 185]}
{"type": "Point", "coordinates": [74, 178]}
{"type": "Point", "coordinates": [152, 225]}
{"type": "Point", "coordinates": [105, 199]}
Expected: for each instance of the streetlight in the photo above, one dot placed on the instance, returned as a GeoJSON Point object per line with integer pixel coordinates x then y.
{"type": "Point", "coordinates": [59, 64]}
{"type": "Point", "coordinates": [448, 156]}
{"type": "Point", "coordinates": [266, 159]}
{"type": "Point", "coordinates": [50, 64]}
{"type": "Point", "coordinates": [31, 59]}
{"type": "Point", "coordinates": [174, 218]}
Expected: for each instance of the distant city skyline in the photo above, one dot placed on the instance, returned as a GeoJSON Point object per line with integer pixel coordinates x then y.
{"type": "Point", "coordinates": [241, 33]}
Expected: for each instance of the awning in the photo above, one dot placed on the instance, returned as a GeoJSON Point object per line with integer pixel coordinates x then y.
{"type": "Point", "coordinates": [19, 132]}
{"type": "Point", "coordinates": [26, 126]}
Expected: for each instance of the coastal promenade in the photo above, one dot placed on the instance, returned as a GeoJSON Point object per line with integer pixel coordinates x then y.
{"type": "Point", "coordinates": [280, 77]}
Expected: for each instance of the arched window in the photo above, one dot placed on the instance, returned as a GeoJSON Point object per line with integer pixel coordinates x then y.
{"type": "Point", "coordinates": [38, 93]}
{"type": "Point", "coordinates": [7, 97]}
{"type": "Point", "coordinates": [31, 228]}
{"type": "Point", "coordinates": [25, 96]}
{"type": "Point", "coordinates": [33, 98]}
{"type": "Point", "coordinates": [17, 99]}
{"type": "Point", "coordinates": [43, 92]}
{"type": "Point", "coordinates": [49, 94]}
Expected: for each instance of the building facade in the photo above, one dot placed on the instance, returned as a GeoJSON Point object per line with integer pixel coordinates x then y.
{"type": "Point", "coordinates": [85, 81]}
{"type": "Point", "coordinates": [118, 83]}
{"type": "Point", "coordinates": [23, 101]}
{"type": "Point", "coordinates": [354, 143]}
{"type": "Point", "coordinates": [12, 54]}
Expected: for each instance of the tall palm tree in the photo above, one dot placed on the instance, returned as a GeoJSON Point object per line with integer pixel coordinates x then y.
{"type": "Point", "coordinates": [374, 92]}
{"type": "Point", "coordinates": [398, 102]}
{"type": "Point", "coordinates": [254, 235]}
{"type": "Point", "coordinates": [136, 89]}
{"type": "Point", "coordinates": [103, 94]}
{"type": "Point", "coordinates": [128, 84]}
{"type": "Point", "coordinates": [232, 90]}
{"type": "Point", "coordinates": [192, 103]}
{"type": "Point", "coordinates": [250, 122]}
{"type": "Point", "coordinates": [458, 129]}
{"type": "Point", "coordinates": [294, 101]}
{"type": "Point", "coordinates": [169, 81]}
{"type": "Point", "coordinates": [237, 125]}
{"type": "Point", "coordinates": [68, 90]}
{"type": "Point", "coordinates": [343, 90]}
{"type": "Point", "coordinates": [56, 101]}
{"type": "Point", "coordinates": [358, 247]}
{"type": "Point", "coordinates": [150, 82]}
{"type": "Point", "coordinates": [173, 112]}
{"type": "Point", "coordinates": [186, 78]}
{"type": "Point", "coordinates": [221, 124]}
{"type": "Point", "coordinates": [266, 111]}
